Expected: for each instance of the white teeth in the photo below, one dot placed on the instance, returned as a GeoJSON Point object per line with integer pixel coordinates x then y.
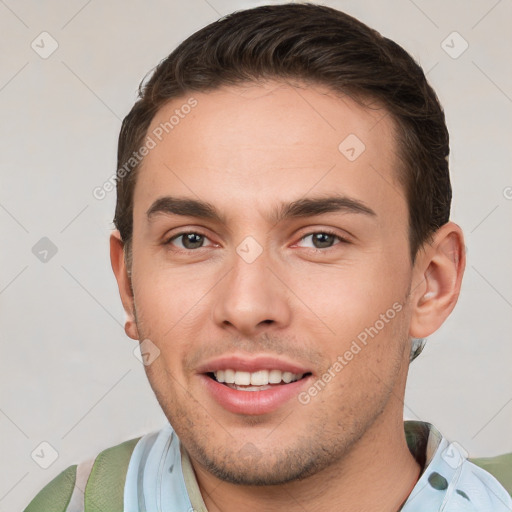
{"type": "Point", "coordinates": [258, 378]}
{"type": "Point", "coordinates": [229, 376]}
{"type": "Point", "coordinates": [274, 376]}
{"type": "Point", "coordinates": [287, 377]}
{"type": "Point", "coordinates": [242, 378]}
{"type": "Point", "coordinates": [248, 388]}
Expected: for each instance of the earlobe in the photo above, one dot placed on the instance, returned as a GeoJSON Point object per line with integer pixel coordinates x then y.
{"type": "Point", "coordinates": [117, 260]}
{"type": "Point", "coordinates": [440, 269]}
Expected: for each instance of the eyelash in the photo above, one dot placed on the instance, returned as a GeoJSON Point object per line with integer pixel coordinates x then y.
{"type": "Point", "coordinates": [341, 239]}
{"type": "Point", "coordinates": [181, 234]}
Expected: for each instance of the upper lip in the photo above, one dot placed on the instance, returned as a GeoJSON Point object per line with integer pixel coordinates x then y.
{"type": "Point", "coordinates": [251, 364]}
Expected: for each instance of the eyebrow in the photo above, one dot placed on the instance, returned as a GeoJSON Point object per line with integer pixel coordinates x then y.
{"type": "Point", "coordinates": [306, 207]}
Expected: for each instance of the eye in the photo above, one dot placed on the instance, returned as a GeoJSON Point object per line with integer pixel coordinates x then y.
{"type": "Point", "coordinates": [322, 239]}
{"type": "Point", "coordinates": [187, 241]}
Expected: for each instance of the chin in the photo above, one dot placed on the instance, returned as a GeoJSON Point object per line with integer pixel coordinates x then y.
{"type": "Point", "coordinates": [250, 467]}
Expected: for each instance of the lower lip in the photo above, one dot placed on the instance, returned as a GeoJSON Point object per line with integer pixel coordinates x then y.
{"type": "Point", "coordinates": [252, 402]}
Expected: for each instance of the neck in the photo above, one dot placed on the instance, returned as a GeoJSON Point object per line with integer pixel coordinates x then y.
{"type": "Point", "coordinates": [377, 474]}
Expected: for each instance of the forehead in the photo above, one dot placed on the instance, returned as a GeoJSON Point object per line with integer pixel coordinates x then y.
{"type": "Point", "coordinates": [270, 141]}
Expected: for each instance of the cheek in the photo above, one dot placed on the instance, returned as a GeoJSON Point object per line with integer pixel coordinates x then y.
{"type": "Point", "coordinates": [173, 306]}
{"type": "Point", "coordinates": [353, 298]}
{"type": "Point", "coordinates": [167, 299]}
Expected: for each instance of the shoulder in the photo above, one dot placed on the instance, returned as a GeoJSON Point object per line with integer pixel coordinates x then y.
{"type": "Point", "coordinates": [82, 485]}
{"type": "Point", "coordinates": [500, 467]}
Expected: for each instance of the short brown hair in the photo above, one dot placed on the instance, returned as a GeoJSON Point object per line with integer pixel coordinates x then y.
{"type": "Point", "coordinates": [315, 44]}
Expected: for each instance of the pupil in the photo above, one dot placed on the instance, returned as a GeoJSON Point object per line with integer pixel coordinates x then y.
{"type": "Point", "coordinates": [192, 240]}
{"type": "Point", "coordinates": [321, 240]}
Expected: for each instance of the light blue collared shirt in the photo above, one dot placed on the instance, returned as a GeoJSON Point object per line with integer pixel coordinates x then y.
{"type": "Point", "coordinates": [155, 479]}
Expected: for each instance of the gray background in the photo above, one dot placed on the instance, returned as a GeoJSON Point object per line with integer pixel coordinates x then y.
{"type": "Point", "coordinates": [68, 373]}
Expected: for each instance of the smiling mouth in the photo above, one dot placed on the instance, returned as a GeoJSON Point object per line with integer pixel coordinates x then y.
{"type": "Point", "coordinates": [255, 381]}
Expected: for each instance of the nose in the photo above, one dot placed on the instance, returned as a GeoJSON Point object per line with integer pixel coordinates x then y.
{"type": "Point", "coordinates": [251, 298]}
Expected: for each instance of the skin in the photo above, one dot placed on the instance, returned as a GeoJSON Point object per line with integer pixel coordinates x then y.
{"type": "Point", "coordinates": [245, 150]}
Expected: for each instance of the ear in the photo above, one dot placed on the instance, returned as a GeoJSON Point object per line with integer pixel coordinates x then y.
{"type": "Point", "coordinates": [437, 278]}
{"type": "Point", "coordinates": [123, 282]}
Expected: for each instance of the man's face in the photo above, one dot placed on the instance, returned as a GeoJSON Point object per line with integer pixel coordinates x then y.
{"type": "Point", "coordinates": [264, 290]}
